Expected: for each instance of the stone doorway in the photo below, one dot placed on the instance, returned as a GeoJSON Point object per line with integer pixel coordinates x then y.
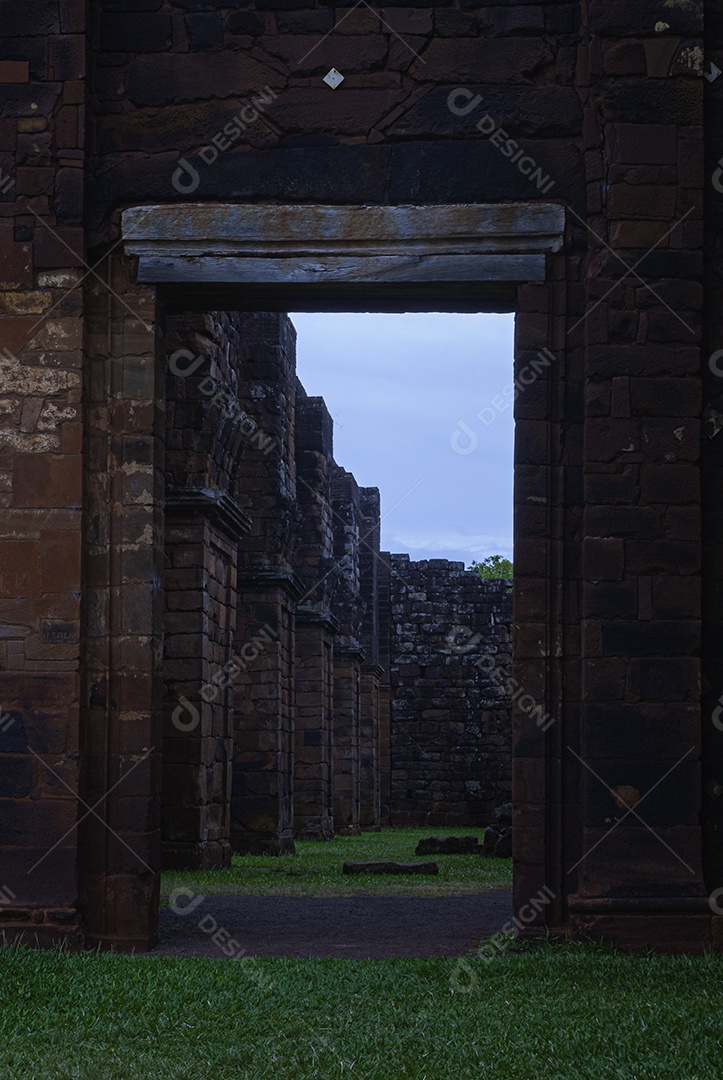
{"type": "Point", "coordinates": [202, 259]}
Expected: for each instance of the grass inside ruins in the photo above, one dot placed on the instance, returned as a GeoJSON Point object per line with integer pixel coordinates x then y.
{"type": "Point", "coordinates": [316, 869]}
{"type": "Point", "coordinates": [550, 1011]}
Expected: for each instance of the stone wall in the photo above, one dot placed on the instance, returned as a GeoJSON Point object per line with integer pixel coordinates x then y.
{"type": "Point", "coordinates": [451, 723]}
{"type": "Point", "coordinates": [606, 108]}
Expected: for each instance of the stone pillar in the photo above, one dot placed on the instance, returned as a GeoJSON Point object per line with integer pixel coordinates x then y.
{"type": "Point", "coordinates": [200, 625]}
{"type": "Point", "coordinates": [369, 541]}
{"type": "Point", "coordinates": [384, 616]}
{"type": "Point", "coordinates": [711, 485]}
{"type": "Point", "coordinates": [123, 614]}
{"type": "Point", "coordinates": [43, 435]}
{"type": "Point", "coordinates": [263, 765]}
{"type": "Point", "coordinates": [262, 792]}
{"type": "Point", "coordinates": [369, 774]}
{"type": "Point", "coordinates": [313, 807]}
{"type": "Point", "coordinates": [640, 738]}
{"type": "Point", "coordinates": [347, 736]}
{"type": "Point", "coordinates": [204, 439]}
{"type": "Point", "coordinates": [348, 652]}
{"type": "Point", "coordinates": [313, 811]}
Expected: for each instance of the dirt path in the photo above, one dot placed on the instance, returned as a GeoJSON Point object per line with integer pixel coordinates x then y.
{"type": "Point", "coordinates": [361, 926]}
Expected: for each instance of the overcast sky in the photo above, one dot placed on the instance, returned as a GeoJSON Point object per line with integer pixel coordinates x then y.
{"type": "Point", "coordinates": [397, 386]}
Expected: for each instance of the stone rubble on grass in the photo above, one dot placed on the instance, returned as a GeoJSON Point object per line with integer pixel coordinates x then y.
{"type": "Point", "coordinates": [390, 868]}
{"type": "Point", "coordinates": [448, 845]}
{"type": "Point", "coordinates": [498, 836]}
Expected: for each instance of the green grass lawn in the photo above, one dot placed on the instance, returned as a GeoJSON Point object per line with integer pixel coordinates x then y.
{"type": "Point", "coordinates": [315, 869]}
{"type": "Point", "coordinates": [549, 1012]}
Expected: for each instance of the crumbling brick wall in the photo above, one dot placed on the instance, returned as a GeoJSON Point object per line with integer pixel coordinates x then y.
{"type": "Point", "coordinates": [451, 724]}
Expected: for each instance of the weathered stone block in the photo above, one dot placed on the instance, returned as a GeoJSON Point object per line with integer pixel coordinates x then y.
{"type": "Point", "coordinates": [389, 868]}
{"type": "Point", "coordinates": [448, 845]}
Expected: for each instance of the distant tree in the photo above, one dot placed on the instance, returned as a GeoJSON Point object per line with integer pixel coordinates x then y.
{"type": "Point", "coordinates": [493, 568]}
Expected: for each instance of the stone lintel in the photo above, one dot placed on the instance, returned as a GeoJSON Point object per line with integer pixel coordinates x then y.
{"type": "Point", "coordinates": [258, 230]}
{"type": "Point", "coordinates": [321, 270]}
{"type": "Point", "coordinates": [312, 246]}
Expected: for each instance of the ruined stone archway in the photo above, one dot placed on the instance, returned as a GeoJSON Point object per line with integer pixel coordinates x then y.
{"type": "Point", "coordinates": [610, 631]}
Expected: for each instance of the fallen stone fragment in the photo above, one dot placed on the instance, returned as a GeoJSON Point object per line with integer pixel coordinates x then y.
{"type": "Point", "coordinates": [502, 815]}
{"type": "Point", "coordinates": [448, 845]}
{"type": "Point", "coordinates": [498, 842]}
{"type": "Point", "coordinates": [390, 868]}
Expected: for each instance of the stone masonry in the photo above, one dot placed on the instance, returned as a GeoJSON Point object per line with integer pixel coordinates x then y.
{"type": "Point", "coordinates": [601, 116]}
{"type": "Point", "coordinates": [451, 724]}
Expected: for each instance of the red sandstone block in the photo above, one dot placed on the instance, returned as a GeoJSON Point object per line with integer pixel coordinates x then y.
{"type": "Point", "coordinates": [19, 568]}
{"type": "Point", "coordinates": [671, 326]}
{"type": "Point", "coordinates": [47, 480]}
{"type": "Point", "coordinates": [676, 597]}
{"type": "Point", "coordinates": [16, 261]}
{"type": "Point", "coordinates": [71, 438]}
{"type": "Point", "coordinates": [668, 556]}
{"type": "Point", "coordinates": [604, 678]}
{"type": "Point", "coordinates": [624, 58]}
{"type": "Point", "coordinates": [67, 57]}
{"type": "Point", "coordinates": [37, 181]}
{"type": "Point", "coordinates": [612, 439]}
{"type": "Point", "coordinates": [639, 234]}
{"type": "Point", "coordinates": [683, 523]}
{"type": "Point", "coordinates": [16, 333]}
{"type": "Point", "coordinates": [667, 679]}
{"type": "Point", "coordinates": [611, 598]}
{"type": "Point", "coordinates": [665, 396]}
{"type": "Point", "coordinates": [61, 560]}
{"type": "Point", "coordinates": [641, 200]}
{"type": "Point", "coordinates": [646, 144]}
{"type": "Point", "coordinates": [59, 247]}
{"type": "Point", "coordinates": [66, 128]}
{"type": "Point", "coordinates": [641, 360]}
{"type": "Point", "coordinates": [672, 483]}
{"type": "Point", "coordinates": [14, 71]}
{"type": "Point", "coordinates": [603, 558]}
{"type": "Point", "coordinates": [74, 92]}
